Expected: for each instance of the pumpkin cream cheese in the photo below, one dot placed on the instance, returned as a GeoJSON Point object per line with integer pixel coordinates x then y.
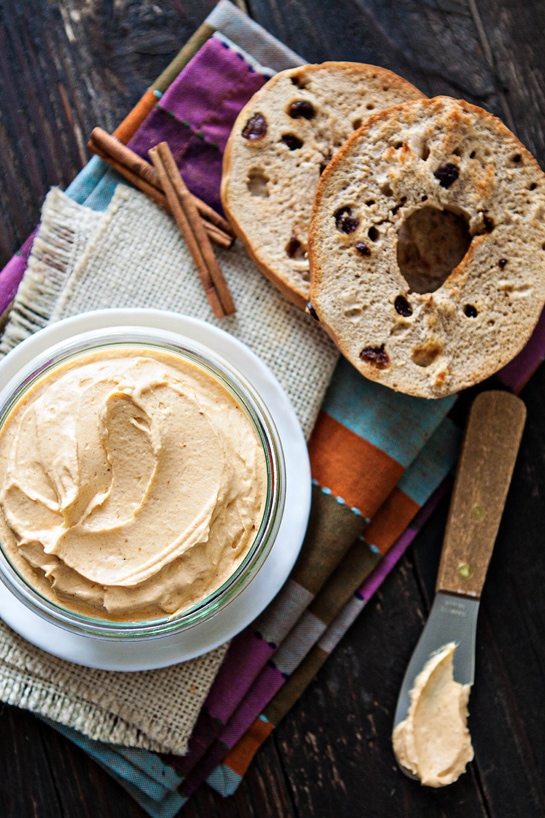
{"type": "Point", "coordinates": [433, 743]}
{"type": "Point", "coordinates": [132, 484]}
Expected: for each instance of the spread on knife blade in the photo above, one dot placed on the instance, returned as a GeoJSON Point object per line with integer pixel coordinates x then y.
{"type": "Point", "coordinates": [132, 484]}
{"type": "Point", "coordinates": [433, 742]}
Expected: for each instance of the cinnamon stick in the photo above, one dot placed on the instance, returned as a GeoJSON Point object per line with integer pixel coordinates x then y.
{"type": "Point", "coordinates": [131, 176]}
{"type": "Point", "coordinates": [124, 155]}
{"type": "Point", "coordinates": [190, 224]}
{"type": "Point", "coordinates": [144, 176]}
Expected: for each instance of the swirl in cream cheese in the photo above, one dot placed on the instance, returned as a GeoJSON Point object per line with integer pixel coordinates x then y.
{"type": "Point", "coordinates": [433, 742]}
{"type": "Point", "coordinates": [131, 484]}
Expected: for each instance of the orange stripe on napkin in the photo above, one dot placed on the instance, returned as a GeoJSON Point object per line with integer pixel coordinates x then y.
{"type": "Point", "coordinates": [239, 758]}
{"type": "Point", "coordinates": [391, 520]}
{"type": "Point", "coordinates": [353, 469]}
{"type": "Point", "coordinates": [125, 131]}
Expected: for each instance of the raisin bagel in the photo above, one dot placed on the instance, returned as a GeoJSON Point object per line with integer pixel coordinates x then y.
{"type": "Point", "coordinates": [279, 145]}
{"type": "Point", "coordinates": [427, 247]}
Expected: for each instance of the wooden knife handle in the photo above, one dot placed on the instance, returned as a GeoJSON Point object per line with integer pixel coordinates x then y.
{"type": "Point", "coordinates": [489, 450]}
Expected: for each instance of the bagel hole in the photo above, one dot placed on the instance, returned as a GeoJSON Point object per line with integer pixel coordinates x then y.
{"type": "Point", "coordinates": [257, 183]}
{"type": "Point", "coordinates": [399, 205]}
{"type": "Point", "coordinates": [483, 223]}
{"type": "Point", "coordinates": [299, 82]}
{"type": "Point", "coordinates": [430, 244]}
{"type": "Point", "coordinates": [398, 329]}
{"type": "Point", "coordinates": [426, 354]}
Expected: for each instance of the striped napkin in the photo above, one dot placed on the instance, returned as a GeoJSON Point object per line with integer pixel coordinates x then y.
{"type": "Point", "coordinates": [379, 459]}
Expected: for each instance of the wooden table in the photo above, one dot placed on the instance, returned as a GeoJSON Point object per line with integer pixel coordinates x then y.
{"type": "Point", "coordinates": [69, 65]}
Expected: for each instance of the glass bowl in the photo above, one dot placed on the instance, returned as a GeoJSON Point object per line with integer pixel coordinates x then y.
{"type": "Point", "coordinates": [260, 418]}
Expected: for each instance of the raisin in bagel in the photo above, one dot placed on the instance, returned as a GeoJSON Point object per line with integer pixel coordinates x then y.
{"type": "Point", "coordinates": [427, 247]}
{"type": "Point", "coordinates": [279, 145]}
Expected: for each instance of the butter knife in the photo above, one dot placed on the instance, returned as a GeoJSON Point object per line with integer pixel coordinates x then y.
{"type": "Point", "coordinates": [489, 450]}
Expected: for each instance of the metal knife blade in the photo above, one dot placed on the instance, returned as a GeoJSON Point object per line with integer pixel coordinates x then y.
{"type": "Point", "coordinates": [452, 619]}
{"type": "Point", "coordinates": [488, 455]}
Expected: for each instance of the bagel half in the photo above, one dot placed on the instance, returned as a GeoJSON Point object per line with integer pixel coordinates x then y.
{"type": "Point", "coordinates": [427, 247]}
{"type": "Point", "coordinates": [280, 144]}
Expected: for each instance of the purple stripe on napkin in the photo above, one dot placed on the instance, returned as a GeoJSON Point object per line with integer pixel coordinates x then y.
{"type": "Point", "coordinates": [12, 274]}
{"type": "Point", "coordinates": [197, 125]}
{"type": "Point", "coordinates": [230, 81]}
{"type": "Point", "coordinates": [245, 658]}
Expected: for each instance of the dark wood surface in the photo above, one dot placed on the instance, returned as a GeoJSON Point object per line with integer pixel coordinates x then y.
{"type": "Point", "coordinates": [68, 66]}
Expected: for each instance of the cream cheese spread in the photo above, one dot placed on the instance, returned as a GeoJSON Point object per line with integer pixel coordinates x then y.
{"type": "Point", "coordinates": [132, 484]}
{"type": "Point", "coordinates": [433, 743]}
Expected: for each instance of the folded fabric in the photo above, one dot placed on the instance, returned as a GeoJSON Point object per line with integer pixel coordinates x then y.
{"type": "Point", "coordinates": [151, 782]}
{"type": "Point", "coordinates": [152, 709]}
{"type": "Point", "coordinates": [81, 261]}
{"type": "Point", "coordinates": [375, 455]}
{"type": "Point", "coordinates": [335, 560]}
{"type": "Point", "coordinates": [311, 642]}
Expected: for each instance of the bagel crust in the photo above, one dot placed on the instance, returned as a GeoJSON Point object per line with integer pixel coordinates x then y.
{"type": "Point", "coordinates": [427, 247]}
{"type": "Point", "coordinates": [280, 143]}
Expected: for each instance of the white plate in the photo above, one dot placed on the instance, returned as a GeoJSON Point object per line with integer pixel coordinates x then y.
{"type": "Point", "coordinates": [205, 636]}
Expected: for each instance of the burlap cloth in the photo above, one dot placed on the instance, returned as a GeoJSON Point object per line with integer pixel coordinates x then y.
{"type": "Point", "coordinates": [132, 255]}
